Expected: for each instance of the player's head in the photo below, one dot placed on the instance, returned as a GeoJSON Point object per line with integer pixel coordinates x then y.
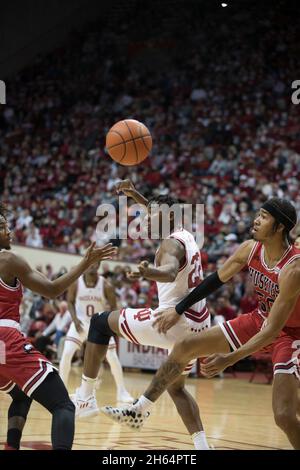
{"type": "Point", "coordinates": [5, 233]}
{"type": "Point", "coordinates": [161, 208]}
{"type": "Point", "coordinates": [277, 217]}
{"type": "Point", "coordinates": [93, 269]}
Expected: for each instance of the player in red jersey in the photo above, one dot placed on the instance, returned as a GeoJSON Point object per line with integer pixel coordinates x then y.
{"type": "Point", "coordinates": [24, 371]}
{"type": "Point", "coordinates": [274, 267]}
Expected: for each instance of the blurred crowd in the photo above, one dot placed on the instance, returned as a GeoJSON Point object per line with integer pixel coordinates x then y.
{"type": "Point", "coordinates": [214, 88]}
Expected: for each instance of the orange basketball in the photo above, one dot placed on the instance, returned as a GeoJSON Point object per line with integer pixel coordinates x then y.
{"type": "Point", "coordinates": [128, 142]}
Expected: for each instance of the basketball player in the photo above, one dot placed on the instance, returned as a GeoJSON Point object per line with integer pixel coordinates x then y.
{"type": "Point", "coordinates": [274, 268]}
{"type": "Point", "coordinates": [20, 362]}
{"type": "Point", "coordinates": [177, 270]}
{"type": "Point", "coordinates": [91, 294]}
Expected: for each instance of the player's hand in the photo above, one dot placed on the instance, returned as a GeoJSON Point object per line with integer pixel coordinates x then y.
{"type": "Point", "coordinates": [165, 319]}
{"type": "Point", "coordinates": [133, 275]}
{"type": "Point", "coordinates": [95, 254]}
{"type": "Point", "coordinates": [215, 364]}
{"type": "Point", "coordinates": [126, 187]}
{"type": "Point", "coordinates": [143, 270]}
{"type": "Point", "coordinates": [78, 325]}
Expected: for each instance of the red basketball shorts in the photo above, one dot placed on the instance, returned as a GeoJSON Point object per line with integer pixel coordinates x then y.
{"type": "Point", "coordinates": [285, 350]}
{"type": "Point", "coordinates": [20, 362]}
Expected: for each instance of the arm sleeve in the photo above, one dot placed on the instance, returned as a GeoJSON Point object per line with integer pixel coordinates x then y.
{"type": "Point", "coordinates": [205, 288]}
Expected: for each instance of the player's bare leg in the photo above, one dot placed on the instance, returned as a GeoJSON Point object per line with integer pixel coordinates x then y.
{"type": "Point", "coordinates": [285, 404]}
{"type": "Point", "coordinates": [189, 412]}
{"type": "Point", "coordinates": [95, 353]}
{"type": "Point", "coordinates": [105, 324]}
{"type": "Point", "coordinates": [206, 343]}
{"type": "Point", "coordinates": [184, 351]}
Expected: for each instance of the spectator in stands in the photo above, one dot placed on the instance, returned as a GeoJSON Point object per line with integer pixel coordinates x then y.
{"type": "Point", "coordinates": [55, 331]}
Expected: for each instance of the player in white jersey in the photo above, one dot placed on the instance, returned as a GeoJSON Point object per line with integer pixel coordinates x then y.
{"type": "Point", "coordinates": [177, 271]}
{"type": "Point", "coordinates": [89, 295]}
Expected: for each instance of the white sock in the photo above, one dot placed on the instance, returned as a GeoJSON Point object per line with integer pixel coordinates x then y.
{"type": "Point", "coordinates": [143, 404]}
{"type": "Point", "coordinates": [87, 387]}
{"type": "Point", "coordinates": [199, 440]}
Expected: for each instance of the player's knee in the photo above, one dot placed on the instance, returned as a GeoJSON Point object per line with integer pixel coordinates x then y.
{"type": "Point", "coordinates": [65, 404]}
{"type": "Point", "coordinates": [284, 419]}
{"type": "Point", "coordinates": [100, 331]}
{"type": "Point", "coordinates": [182, 351]}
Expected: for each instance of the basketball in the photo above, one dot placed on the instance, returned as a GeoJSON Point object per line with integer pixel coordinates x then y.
{"type": "Point", "coordinates": [128, 142]}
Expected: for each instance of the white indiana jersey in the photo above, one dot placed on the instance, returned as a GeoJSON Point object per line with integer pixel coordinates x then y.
{"type": "Point", "coordinates": [89, 300]}
{"type": "Point", "coordinates": [189, 276]}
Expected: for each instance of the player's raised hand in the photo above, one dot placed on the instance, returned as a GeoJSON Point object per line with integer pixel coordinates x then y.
{"type": "Point", "coordinates": [95, 254]}
{"type": "Point", "coordinates": [133, 275]}
{"type": "Point", "coordinates": [126, 187]}
{"type": "Point", "coordinates": [165, 319]}
{"type": "Point", "coordinates": [143, 269]}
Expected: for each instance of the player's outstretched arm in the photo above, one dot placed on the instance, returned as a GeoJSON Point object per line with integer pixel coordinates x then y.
{"type": "Point", "coordinates": [37, 282]}
{"type": "Point", "coordinates": [167, 318]}
{"type": "Point", "coordinates": [127, 187]}
{"type": "Point", "coordinates": [284, 304]}
{"type": "Point", "coordinates": [172, 253]}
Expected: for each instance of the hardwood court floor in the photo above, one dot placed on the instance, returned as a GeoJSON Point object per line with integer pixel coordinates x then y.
{"type": "Point", "coordinates": [235, 413]}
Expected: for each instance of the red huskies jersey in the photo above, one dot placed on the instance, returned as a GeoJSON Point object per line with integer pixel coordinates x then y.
{"type": "Point", "coordinates": [265, 280]}
{"type": "Point", "coordinates": [10, 299]}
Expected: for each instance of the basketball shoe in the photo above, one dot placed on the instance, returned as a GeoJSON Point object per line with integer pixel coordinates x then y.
{"type": "Point", "coordinates": [128, 415]}
{"type": "Point", "coordinates": [85, 408]}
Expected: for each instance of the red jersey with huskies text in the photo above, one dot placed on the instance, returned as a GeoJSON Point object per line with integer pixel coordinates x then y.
{"type": "Point", "coordinates": [266, 280]}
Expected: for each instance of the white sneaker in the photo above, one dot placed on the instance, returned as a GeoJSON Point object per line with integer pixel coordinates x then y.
{"type": "Point", "coordinates": [85, 408]}
{"type": "Point", "coordinates": [126, 415]}
{"type": "Point", "coordinates": [124, 397]}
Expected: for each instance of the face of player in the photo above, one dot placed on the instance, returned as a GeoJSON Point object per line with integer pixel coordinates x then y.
{"type": "Point", "coordinates": [263, 226]}
{"type": "Point", "coordinates": [154, 220]}
{"type": "Point", "coordinates": [5, 235]}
